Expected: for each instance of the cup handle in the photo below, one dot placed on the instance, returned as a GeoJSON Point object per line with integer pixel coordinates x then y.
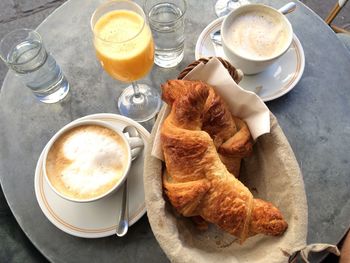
{"type": "Point", "coordinates": [136, 144]}
{"type": "Point", "coordinates": [135, 141]}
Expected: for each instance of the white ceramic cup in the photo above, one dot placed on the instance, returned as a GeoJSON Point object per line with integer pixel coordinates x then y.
{"type": "Point", "coordinates": [253, 64]}
{"type": "Point", "coordinates": [133, 144]}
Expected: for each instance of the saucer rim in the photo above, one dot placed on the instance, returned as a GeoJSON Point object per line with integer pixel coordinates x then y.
{"type": "Point", "coordinates": [75, 230]}
{"type": "Point", "coordinates": [218, 21]}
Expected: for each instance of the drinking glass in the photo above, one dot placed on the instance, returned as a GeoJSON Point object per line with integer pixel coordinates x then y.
{"type": "Point", "coordinates": [167, 22]}
{"type": "Point", "coordinates": [125, 48]}
{"type": "Point", "coordinates": [223, 7]}
{"type": "Point", "coordinates": [23, 51]}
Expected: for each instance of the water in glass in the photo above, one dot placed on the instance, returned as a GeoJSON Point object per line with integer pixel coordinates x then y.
{"type": "Point", "coordinates": [38, 70]}
{"type": "Point", "coordinates": [168, 33]}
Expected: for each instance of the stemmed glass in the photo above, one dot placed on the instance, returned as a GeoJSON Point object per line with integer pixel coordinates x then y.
{"type": "Point", "coordinates": [125, 48]}
{"type": "Point", "coordinates": [223, 7]}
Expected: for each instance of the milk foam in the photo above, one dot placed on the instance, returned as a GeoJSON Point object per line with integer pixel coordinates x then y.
{"type": "Point", "coordinates": [95, 161]}
{"type": "Point", "coordinates": [87, 161]}
{"type": "Point", "coordinates": [258, 34]}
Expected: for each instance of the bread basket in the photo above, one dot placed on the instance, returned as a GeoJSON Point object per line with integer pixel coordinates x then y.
{"type": "Point", "coordinates": [272, 173]}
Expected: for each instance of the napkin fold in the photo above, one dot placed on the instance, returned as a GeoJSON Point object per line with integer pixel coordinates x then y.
{"type": "Point", "coordinates": [242, 103]}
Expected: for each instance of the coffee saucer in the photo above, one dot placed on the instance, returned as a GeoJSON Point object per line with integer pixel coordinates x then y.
{"type": "Point", "coordinates": [274, 82]}
{"type": "Point", "coordinates": [96, 219]}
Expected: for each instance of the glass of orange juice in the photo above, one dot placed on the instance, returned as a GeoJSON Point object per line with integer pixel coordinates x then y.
{"type": "Point", "coordinates": [124, 46]}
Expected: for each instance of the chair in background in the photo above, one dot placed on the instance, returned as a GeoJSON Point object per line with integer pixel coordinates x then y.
{"type": "Point", "coordinates": [343, 34]}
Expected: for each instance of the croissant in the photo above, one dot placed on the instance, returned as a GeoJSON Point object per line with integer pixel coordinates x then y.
{"type": "Point", "coordinates": [198, 137]}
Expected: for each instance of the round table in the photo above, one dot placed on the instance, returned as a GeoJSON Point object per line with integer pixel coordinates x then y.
{"type": "Point", "coordinates": [314, 117]}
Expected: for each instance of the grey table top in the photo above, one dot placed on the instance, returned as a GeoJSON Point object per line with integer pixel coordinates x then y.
{"type": "Point", "coordinates": [314, 117]}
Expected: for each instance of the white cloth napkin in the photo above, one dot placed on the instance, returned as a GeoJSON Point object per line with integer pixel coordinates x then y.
{"type": "Point", "coordinates": [242, 103]}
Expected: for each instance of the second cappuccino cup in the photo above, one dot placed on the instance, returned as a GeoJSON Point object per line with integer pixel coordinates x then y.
{"type": "Point", "coordinates": [254, 36]}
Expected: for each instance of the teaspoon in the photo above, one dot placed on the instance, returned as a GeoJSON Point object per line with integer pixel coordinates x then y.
{"type": "Point", "coordinates": [123, 219]}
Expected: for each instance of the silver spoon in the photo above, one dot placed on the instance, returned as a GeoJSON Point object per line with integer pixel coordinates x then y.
{"type": "Point", "coordinates": [123, 219]}
{"type": "Point", "coordinates": [286, 9]}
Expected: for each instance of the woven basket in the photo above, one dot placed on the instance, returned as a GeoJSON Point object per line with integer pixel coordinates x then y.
{"type": "Point", "coordinates": [236, 74]}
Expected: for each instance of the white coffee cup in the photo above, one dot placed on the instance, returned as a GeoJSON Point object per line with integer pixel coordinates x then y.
{"type": "Point", "coordinates": [88, 160]}
{"type": "Point", "coordinates": [254, 36]}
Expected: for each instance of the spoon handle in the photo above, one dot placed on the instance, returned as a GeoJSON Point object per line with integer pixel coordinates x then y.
{"type": "Point", "coordinates": [288, 8]}
{"type": "Point", "coordinates": [123, 221]}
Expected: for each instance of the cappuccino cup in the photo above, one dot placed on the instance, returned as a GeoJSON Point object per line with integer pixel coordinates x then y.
{"type": "Point", "coordinates": [254, 36]}
{"type": "Point", "coordinates": [88, 160]}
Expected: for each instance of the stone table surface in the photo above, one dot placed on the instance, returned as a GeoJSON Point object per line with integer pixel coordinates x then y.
{"type": "Point", "coordinates": [314, 117]}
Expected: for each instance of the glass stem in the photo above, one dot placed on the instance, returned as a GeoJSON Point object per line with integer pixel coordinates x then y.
{"type": "Point", "coordinates": [135, 86]}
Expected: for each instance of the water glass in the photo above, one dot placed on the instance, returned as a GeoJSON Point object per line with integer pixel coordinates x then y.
{"type": "Point", "coordinates": [166, 19]}
{"type": "Point", "coordinates": [23, 52]}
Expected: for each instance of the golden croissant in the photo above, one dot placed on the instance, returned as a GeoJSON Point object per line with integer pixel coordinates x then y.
{"type": "Point", "coordinates": [199, 138]}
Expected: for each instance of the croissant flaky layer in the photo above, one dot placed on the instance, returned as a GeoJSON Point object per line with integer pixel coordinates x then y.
{"type": "Point", "coordinates": [202, 143]}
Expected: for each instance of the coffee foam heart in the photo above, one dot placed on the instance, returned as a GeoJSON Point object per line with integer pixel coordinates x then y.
{"type": "Point", "coordinates": [87, 161]}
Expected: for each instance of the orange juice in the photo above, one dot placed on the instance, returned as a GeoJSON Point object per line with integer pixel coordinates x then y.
{"type": "Point", "coordinates": [124, 45]}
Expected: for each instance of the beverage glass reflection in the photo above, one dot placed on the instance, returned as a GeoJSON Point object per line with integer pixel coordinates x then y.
{"type": "Point", "coordinates": [23, 51]}
{"type": "Point", "coordinates": [125, 48]}
{"type": "Point", "coordinates": [223, 7]}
